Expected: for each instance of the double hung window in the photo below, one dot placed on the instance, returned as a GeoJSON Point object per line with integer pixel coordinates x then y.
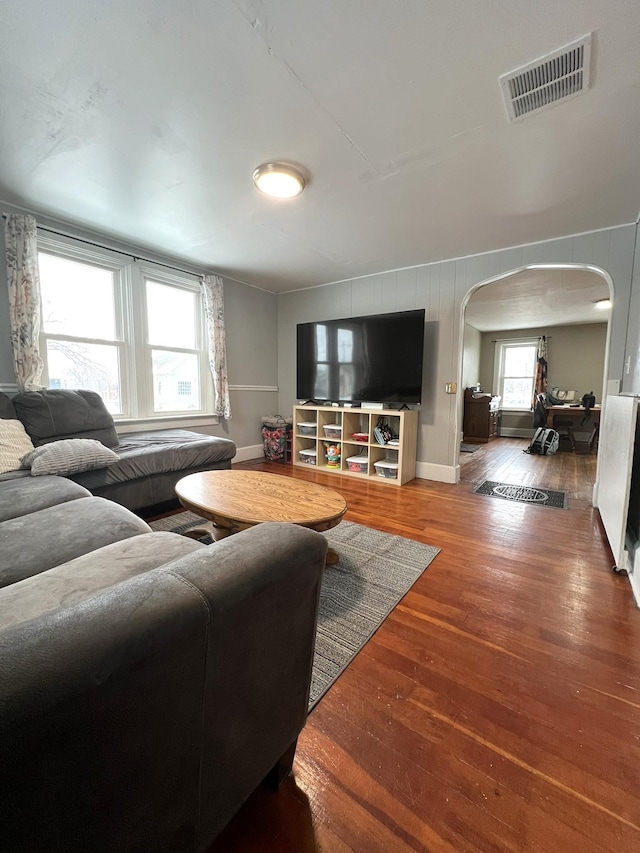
{"type": "Point", "coordinates": [515, 368]}
{"type": "Point", "coordinates": [131, 331]}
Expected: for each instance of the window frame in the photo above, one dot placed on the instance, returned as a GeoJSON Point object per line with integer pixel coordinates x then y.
{"type": "Point", "coordinates": [498, 369]}
{"type": "Point", "coordinates": [132, 339]}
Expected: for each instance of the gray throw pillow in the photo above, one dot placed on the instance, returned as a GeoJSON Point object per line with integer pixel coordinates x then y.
{"type": "Point", "coordinates": [68, 456]}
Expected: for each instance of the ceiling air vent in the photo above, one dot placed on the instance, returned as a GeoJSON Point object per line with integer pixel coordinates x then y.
{"type": "Point", "coordinates": [555, 77]}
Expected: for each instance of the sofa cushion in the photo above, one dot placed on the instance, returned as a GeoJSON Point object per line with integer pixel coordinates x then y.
{"type": "Point", "coordinates": [56, 413]}
{"type": "Point", "coordinates": [66, 585]}
{"type": "Point", "coordinates": [14, 443]}
{"type": "Point", "coordinates": [143, 454]}
{"type": "Point", "coordinates": [41, 540]}
{"type": "Point", "coordinates": [68, 456]}
{"type": "Point", "coordinates": [6, 407]}
{"type": "Point", "coordinates": [23, 496]}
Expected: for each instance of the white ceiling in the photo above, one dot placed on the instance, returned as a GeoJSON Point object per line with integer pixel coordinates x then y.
{"type": "Point", "coordinates": [537, 298]}
{"type": "Point", "coordinates": [145, 120]}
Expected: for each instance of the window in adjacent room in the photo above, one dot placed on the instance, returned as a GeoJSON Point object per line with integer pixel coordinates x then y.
{"type": "Point", "coordinates": [516, 370]}
{"type": "Point", "coordinates": [133, 332]}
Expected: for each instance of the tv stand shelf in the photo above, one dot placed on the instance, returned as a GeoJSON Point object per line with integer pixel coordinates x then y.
{"type": "Point", "coordinates": [309, 435]}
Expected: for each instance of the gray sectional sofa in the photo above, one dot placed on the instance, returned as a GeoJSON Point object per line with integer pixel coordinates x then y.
{"type": "Point", "coordinates": [148, 683]}
{"type": "Point", "coordinates": [150, 463]}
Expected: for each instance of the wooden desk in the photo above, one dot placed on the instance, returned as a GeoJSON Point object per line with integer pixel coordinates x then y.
{"type": "Point", "coordinates": [577, 413]}
{"type": "Point", "coordinates": [574, 412]}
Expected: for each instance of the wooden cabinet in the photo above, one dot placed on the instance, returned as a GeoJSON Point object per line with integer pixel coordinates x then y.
{"type": "Point", "coordinates": [481, 421]}
{"type": "Point", "coordinates": [350, 432]}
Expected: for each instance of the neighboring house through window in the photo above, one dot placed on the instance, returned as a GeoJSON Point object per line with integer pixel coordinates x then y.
{"type": "Point", "coordinates": [515, 368]}
{"type": "Point", "coordinates": [132, 331]}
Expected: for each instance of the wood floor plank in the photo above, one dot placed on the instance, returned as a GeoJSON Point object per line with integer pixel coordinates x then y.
{"type": "Point", "coordinates": [498, 707]}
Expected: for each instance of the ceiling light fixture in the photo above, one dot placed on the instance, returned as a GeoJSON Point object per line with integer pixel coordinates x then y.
{"type": "Point", "coordinates": [279, 180]}
{"type": "Point", "coordinates": [603, 304]}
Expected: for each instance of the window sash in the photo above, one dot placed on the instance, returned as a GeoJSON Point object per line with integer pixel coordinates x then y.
{"type": "Point", "coordinates": [500, 376]}
{"type": "Point", "coordinates": [136, 380]}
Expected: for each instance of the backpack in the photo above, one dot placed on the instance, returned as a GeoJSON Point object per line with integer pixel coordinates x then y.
{"type": "Point", "coordinates": [544, 441]}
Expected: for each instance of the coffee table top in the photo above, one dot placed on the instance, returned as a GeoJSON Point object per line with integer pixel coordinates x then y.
{"type": "Point", "coordinates": [251, 497]}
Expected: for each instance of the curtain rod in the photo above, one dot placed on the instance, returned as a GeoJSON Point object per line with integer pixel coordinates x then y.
{"type": "Point", "coordinates": [111, 249]}
{"type": "Point", "coordinates": [504, 340]}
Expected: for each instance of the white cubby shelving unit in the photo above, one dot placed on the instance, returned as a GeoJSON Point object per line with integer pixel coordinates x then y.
{"type": "Point", "coordinates": [309, 434]}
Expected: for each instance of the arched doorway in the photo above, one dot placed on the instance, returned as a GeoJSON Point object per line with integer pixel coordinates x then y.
{"type": "Point", "coordinates": [527, 301]}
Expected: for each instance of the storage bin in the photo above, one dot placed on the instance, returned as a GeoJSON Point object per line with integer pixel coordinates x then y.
{"type": "Point", "coordinates": [358, 464]}
{"type": "Point", "coordinates": [386, 468]}
{"type": "Point", "coordinates": [332, 430]}
{"type": "Point", "coordinates": [360, 436]}
{"type": "Point", "coordinates": [309, 456]}
{"type": "Point", "coordinates": [307, 427]}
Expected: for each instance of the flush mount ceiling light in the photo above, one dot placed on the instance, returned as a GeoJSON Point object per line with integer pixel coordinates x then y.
{"type": "Point", "coordinates": [279, 180]}
{"type": "Point", "coordinates": [603, 304]}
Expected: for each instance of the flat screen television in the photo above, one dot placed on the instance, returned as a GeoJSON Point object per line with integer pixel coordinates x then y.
{"type": "Point", "coordinates": [362, 359]}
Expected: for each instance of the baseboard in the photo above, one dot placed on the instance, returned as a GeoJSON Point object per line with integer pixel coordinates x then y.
{"type": "Point", "coordinates": [424, 470]}
{"type": "Point", "coordinates": [516, 432]}
{"type": "Point", "coordinates": [244, 454]}
{"type": "Point", "coordinates": [439, 473]}
{"type": "Point", "coordinates": [634, 580]}
{"type": "Point", "coordinates": [8, 388]}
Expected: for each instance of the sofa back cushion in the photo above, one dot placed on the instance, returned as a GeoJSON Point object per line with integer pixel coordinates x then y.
{"type": "Point", "coordinates": [58, 413]}
{"type": "Point", "coordinates": [6, 407]}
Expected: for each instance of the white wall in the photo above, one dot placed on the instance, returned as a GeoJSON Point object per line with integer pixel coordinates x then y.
{"type": "Point", "coordinates": [441, 288]}
{"type": "Point", "coordinates": [631, 384]}
{"type": "Point", "coordinates": [471, 350]}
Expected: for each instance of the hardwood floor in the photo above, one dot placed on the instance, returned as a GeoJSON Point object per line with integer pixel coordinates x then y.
{"type": "Point", "coordinates": [498, 707]}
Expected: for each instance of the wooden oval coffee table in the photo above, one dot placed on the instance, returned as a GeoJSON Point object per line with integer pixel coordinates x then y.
{"type": "Point", "coordinates": [235, 500]}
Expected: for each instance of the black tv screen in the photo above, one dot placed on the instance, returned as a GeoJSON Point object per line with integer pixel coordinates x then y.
{"type": "Point", "coordinates": [373, 359]}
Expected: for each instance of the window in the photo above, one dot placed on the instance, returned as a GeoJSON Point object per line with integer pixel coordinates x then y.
{"type": "Point", "coordinates": [133, 332]}
{"type": "Point", "coordinates": [516, 363]}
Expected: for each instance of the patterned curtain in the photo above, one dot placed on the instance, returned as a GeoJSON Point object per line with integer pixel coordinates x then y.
{"type": "Point", "coordinates": [540, 385]}
{"type": "Point", "coordinates": [23, 281]}
{"type": "Point", "coordinates": [213, 291]}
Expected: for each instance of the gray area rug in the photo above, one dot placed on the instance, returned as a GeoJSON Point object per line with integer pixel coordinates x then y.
{"type": "Point", "coordinates": [469, 448]}
{"type": "Point", "coordinates": [522, 494]}
{"type": "Point", "coordinates": [374, 571]}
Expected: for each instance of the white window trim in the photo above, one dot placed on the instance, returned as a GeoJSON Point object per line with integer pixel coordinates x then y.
{"type": "Point", "coordinates": [498, 367]}
{"type": "Point", "coordinates": [131, 330]}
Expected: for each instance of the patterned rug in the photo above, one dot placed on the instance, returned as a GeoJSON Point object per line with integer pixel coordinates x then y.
{"type": "Point", "coordinates": [374, 571]}
{"type": "Point", "coordinates": [522, 494]}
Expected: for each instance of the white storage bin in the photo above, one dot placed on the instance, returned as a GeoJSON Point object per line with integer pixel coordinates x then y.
{"type": "Point", "coordinates": [309, 456]}
{"type": "Point", "coordinates": [307, 427]}
{"type": "Point", "coordinates": [332, 430]}
{"type": "Point", "coordinates": [387, 468]}
{"type": "Point", "coordinates": [358, 464]}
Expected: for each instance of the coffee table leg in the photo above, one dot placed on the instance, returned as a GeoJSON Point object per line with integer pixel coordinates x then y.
{"type": "Point", "coordinates": [208, 528]}
{"type": "Point", "coordinates": [332, 558]}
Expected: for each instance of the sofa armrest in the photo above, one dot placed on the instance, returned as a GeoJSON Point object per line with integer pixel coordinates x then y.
{"type": "Point", "coordinates": [142, 718]}
{"type": "Point", "coordinates": [260, 654]}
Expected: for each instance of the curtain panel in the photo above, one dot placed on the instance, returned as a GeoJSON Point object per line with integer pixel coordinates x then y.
{"type": "Point", "coordinates": [540, 384]}
{"type": "Point", "coordinates": [23, 281]}
{"type": "Point", "coordinates": [213, 292]}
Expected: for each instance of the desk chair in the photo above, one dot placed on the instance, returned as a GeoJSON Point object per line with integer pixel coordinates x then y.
{"type": "Point", "coordinates": [564, 427]}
